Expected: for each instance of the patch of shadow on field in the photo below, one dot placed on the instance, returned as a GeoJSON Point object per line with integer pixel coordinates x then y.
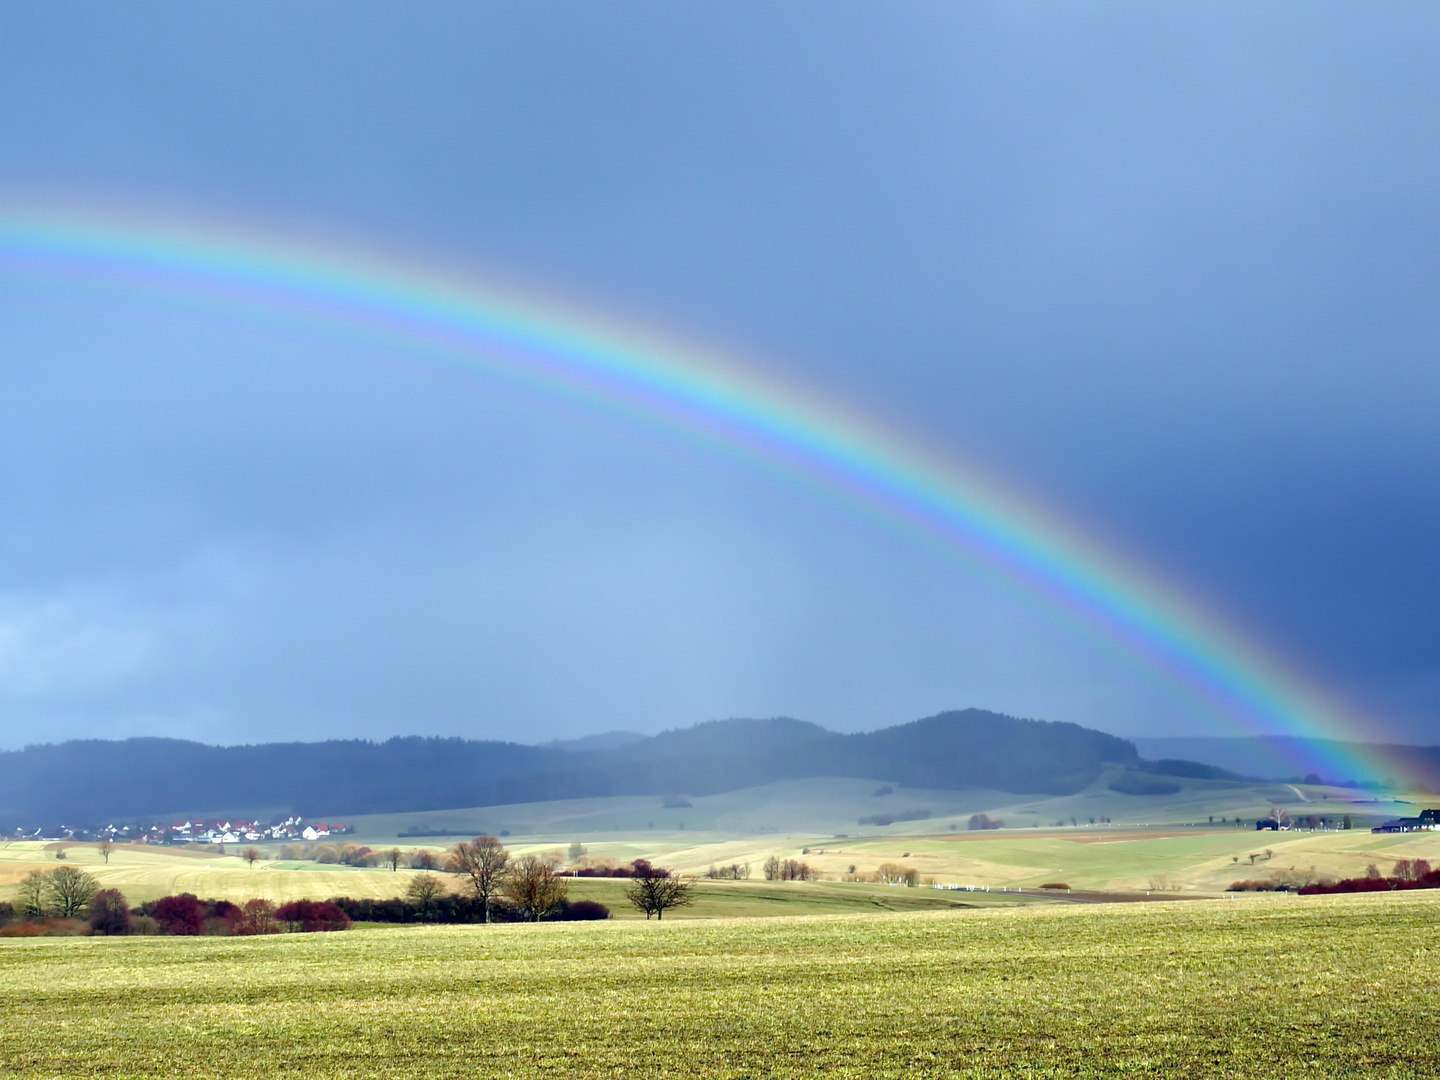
{"type": "Point", "coordinates": [1077, 896]}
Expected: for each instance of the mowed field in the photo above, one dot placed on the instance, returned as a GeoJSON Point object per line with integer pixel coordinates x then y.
{"type": "Point", "coordinates": [1273, 986]}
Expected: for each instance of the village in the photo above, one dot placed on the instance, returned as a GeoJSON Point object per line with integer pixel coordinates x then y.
{"type": "Point", "coordinates": [194, 831]}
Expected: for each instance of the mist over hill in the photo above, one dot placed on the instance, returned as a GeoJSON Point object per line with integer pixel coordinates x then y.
{"type": "Point", "coordinates": [1280, 757]}
{"type": "Point", "coordinates": [93, 781]}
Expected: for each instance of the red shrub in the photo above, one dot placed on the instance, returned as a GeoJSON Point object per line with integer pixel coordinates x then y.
{"type": "Point", "coordinates": [309, 916]}
{"type": "Point", "coordinates": [584, 910]}
{"type": "Point", "coordinates": [179, 914]}
{"type": "Point", "coordinates": [109, 913]}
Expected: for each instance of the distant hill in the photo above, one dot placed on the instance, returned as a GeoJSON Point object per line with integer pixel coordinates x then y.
{"type": "Point", "coordinates": [91, 782]}
{"type": "Point", "coordinates": [606, 740]}
{"type": "Point", "coordinates": [1275, 757]}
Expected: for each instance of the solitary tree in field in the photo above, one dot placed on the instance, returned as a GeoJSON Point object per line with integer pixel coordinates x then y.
{"type": "Point", "coordinates": [393, 857]}
{"type": "Point", "coordinates": [104, 847]}
{"type": "Point", "coordinates": [71, 890]}
{"type": "Point", "coordinates": [251, 856]}
{"type": "Point", "coordinates": [484, 861]}
{"type": "Point", "coordinates": [655, 891]}
{"type": "Point", "coordinates": [424, 890]}
{"type": "Point", "coordinates": [534, 887]}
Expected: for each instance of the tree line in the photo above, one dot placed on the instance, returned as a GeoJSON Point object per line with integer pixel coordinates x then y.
{"type": "Point", "coordinates": [496, 888]}
{"type": "Point", "coordinates": [68, 900]}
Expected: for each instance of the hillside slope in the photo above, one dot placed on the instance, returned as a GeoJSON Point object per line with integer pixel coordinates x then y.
{"type": "Point", "coordinates": [92, 781]}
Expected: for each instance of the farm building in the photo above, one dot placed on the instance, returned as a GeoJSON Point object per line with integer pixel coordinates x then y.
{"type": "Point", "coordinates": [1428, 821]}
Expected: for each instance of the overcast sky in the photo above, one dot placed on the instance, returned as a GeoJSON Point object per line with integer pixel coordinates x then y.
{"type": "Point", "coordinates": [1169, 268]}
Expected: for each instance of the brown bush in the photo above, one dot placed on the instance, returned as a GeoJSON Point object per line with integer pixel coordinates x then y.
{"type": "Point", "coordinates": [47, 928]}
{"type": "Point", "coordinates": [23, 929]}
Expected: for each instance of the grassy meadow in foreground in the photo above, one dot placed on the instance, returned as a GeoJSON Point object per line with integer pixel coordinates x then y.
{"type": "Point", "coordinates": [1255, 987]}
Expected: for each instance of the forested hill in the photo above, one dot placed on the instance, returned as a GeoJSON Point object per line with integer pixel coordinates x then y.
{"type": "Point", "coordinates": [92, 782]}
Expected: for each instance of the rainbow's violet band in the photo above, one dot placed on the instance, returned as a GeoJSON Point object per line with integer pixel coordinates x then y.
{"type": "Point", "coordinates": [700, 395]}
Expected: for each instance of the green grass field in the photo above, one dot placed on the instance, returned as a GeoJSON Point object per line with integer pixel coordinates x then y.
{"type": "Point", "coordinates": [1272, 986]}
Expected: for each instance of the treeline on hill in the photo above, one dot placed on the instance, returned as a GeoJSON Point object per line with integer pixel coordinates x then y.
{"type": "Point", "coordinates": [67, 901]}
{"type": "Point", "coordinates": [97, 781]}
{"type": "Point", "coordinates": [485, 884]}
{"type": "Point", "coordinates": [1406, 874]}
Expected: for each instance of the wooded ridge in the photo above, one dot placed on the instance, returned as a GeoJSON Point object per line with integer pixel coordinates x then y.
{"type": "Point", "coordinates": [94, 780]}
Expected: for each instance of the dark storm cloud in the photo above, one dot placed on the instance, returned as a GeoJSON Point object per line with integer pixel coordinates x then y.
{"type": "Point", "coordinates": [1171, 269]}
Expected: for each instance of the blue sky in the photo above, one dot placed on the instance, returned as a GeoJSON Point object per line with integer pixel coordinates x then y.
{"type": "Point", "coordinates": [1170, 269]}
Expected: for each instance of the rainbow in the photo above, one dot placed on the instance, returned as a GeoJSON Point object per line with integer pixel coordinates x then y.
{"type": "Point", "coordinates": [696, 394]}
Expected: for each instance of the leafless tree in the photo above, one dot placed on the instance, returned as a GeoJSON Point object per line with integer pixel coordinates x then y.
{"type": "Point", "coordinates": [392, 857]}
{"type": "Point", "coordinates": [534, 887]}
{"type": "Point", "coordinates": [890, 873]}
{"type": "Point", "coordinates": [33, 894]}
{"type": "Point", "coordinates": [485, 862]}
{"type": "Point", "coordinates": [257, 917]}
{"type": "Point", "coordinates": [71, 890]}
{"type": "Point", "coordinates": [655, 891]}
{"type": "Point", "coordinates": [251, 856]}
{"type": "Point", "coordinates": [104, 847]}
{"type": "Point", "coordinates": [423, 859]}
{"type": "Point", "coordinates": [424, 890]}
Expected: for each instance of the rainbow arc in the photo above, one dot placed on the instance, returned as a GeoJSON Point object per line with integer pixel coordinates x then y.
{"type": "Point", "coordinates": [699, 395]}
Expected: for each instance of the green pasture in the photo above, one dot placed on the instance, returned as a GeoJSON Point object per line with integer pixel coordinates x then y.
{"type": "Point", "coordinates": [1259, 987]}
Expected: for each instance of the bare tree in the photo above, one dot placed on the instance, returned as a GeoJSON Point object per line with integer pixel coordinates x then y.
{"type": "Point", "coordinates": [392, 857]}
{"type": "Point", "coordinates": [889, 873]}
{"type": "Point", "coordinates": [485, 862]}
{"type": "Point", "coordinates": [654, 890]}
{"type": "Point", "coordinates": [33, 894]}
{"type": "Point", "coordinates": [105, 847]}
{"type": "Point", "coordinates": [424, 890]}
{"type": "Point", "coordinates": [423, 859]}
{"type": "Point", "coordinates": [257, 917]}
{"type": "Point", "coordinates": [534, 887]}
{"type": "Point", "coordinates": [251, 856]}
{"type": "Point", "coordinates": [71, 890]}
